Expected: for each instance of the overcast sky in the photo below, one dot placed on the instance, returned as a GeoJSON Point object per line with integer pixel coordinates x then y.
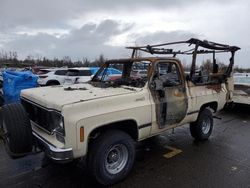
{"type": "Point", "coordinates": [81, 28]}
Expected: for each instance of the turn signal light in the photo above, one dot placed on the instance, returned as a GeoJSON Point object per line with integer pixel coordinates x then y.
{"type": "Point", "coordinates": [81, 134]}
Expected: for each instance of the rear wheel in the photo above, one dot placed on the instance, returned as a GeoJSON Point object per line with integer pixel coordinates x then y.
{"type": "Point", "coordinates": [111, 157]}
{"type": "Point", "coordinates": [17, 133]}
{"type": "Point", "coordinates": [202, 128]}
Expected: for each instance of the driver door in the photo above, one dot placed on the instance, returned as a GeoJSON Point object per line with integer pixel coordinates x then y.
{"type": "Point", "coordinates": [169, 93]}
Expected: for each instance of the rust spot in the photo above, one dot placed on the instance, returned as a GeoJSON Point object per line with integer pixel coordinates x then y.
{"type": "Point", "coordinates": [177, 93]}
{"type": "Point", "coordinates": [216, 87]}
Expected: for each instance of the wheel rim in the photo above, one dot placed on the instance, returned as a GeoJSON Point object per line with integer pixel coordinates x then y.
{"type": "Point", "coordinates": [206, 125]}
{"type": "Point", "coordinates": [116, 159]}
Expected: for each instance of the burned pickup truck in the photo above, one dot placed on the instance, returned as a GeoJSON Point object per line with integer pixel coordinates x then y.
{"type": "Point", "coordinates": [102, 120]}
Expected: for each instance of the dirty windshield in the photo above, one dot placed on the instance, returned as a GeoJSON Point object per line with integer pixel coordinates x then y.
{"type": "Point", "coordinates": [117, 74]}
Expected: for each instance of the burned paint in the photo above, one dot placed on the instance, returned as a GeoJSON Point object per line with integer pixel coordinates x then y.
{"type": "Point", "coordinates": [168, 90]}
{"type": "Point", "coordinates": [215, 87]}
{"type": "Point", "coordinates": [169, 94]}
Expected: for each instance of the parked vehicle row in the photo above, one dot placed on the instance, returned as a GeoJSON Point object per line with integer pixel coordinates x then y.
{"type": "Point", "coordinates": [59, 76]}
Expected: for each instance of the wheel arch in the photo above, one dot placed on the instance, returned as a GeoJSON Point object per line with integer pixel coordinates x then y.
{"type": "Point", "coordinates": [128, 126]}
{"type": "Point", "coordinates": [53, 81]}
{"type": "Point", "coordinates": [213, 105]}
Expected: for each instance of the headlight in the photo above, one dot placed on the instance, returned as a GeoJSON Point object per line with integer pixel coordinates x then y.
{"type": "Point", "coordinates": [58, 123]}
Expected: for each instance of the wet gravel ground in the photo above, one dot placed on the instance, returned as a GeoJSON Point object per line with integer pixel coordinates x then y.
{"type": "Point", "coordinates": [169, 160]}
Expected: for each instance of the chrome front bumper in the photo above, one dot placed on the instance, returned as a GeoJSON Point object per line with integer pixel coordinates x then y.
{"type": "Point", "coordinates": [54, 153]}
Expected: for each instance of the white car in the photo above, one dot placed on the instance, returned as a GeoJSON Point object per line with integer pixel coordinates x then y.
{"type": "Point", "coordinates": [242, 78]}
{"type": "Point", "coordinates": [48, 77]}
{"type": "Point", "coordinates": [139, 73]}
{"type": "Point", "coordinates": [79, 75]}
{"type": "Point", "coordinates": [241, 93]}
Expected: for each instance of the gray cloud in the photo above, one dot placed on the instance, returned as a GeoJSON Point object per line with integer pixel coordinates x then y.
{"type": "Point", "coordinates": [47, 13]}
{"type": "Point", "coordinates": [36, 13]}
{"type": "Point", "coordinates": [163, 37]}
{"type": "Point", "coordinates": [91, 34]}
{"type": "Point", "coordinates": [88, 41]}
{"type": "Point", "coordinates": [213, 20]}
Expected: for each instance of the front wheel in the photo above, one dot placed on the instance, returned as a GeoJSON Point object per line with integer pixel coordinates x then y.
{"type": "Point", "coordinates": [17, 130]}
{"type": "Point", "coordinates": [111, 157]}
{"type": "Point", "coordinates": [202, 128]}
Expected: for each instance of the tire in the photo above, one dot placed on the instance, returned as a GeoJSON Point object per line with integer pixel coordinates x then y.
{"type": "Point", "coordinates": [229, 107]}
{"type": "Point", "coordinates": [111, 157]}
{"type": "Point", "coordinates": [202, 128]}
{"type": "Point", "coordinates": [18, 137]}
{"type": "Point", "coordinates": [1, 99]}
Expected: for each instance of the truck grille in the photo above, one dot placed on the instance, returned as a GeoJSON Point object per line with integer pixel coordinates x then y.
{"type": "Point", "coordinates": [39, 115]}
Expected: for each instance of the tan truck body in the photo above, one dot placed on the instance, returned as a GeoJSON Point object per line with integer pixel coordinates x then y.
{"type": "Point", "coordinates": [94, 107]}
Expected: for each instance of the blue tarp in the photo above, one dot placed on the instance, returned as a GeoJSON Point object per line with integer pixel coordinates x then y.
{"type": "Point", "coordinates": [14, 82]}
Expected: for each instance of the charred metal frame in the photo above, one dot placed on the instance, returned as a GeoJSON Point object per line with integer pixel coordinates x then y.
{"type": "Point", "coordinates": [207, 48]}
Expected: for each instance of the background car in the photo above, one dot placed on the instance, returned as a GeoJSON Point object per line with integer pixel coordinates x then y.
{"type": "Point", "coordinates": [80, 75]}
{"type": "Point", "coordinates": [48, 77]}
{"type": "Point", "coordinates": [139, 73]}
{"type": "Point", "coordinates": [242, 78]}
{"type": "Point", "coordinates": [75, 75]}
{"type": "Point", "coordinates": [111, 74]}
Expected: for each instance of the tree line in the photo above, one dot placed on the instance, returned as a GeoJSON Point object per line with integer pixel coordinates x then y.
{"type": "Point", "coordinates": [10, 59]}
{"type": "Point", "coordinates": [208, 65]}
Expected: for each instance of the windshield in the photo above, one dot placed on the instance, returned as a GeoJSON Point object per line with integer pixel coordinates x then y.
{"type": "Point", "coordinates": [122, 74]}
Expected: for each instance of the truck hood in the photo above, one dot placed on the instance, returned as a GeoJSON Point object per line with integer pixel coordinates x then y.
{"type": "Point", "coordinates": [55, 97]}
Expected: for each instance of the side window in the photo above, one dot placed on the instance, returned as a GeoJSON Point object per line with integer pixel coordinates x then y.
{"type": "Point", "coordinates": [168, 74]}
{"type": "Point", "coordinates": [72, 73]}
{"type": "Point", "coordinates": [84, 73]}
{"type": "Point", "coordinates": [109, 72]}
{"type": "Point", "coordinates": [61, 72]}
{"type": "Point", "coordinates": [94, 70]}
{"type": "Point", "coordinates": [114, 71]}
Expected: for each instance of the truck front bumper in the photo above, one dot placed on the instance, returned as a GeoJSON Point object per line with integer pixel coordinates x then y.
{"type": "Point", "coordinates": [54, 153]}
